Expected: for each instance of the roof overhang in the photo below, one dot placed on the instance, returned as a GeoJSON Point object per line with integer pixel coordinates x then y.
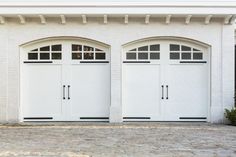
{"type": "Point", "coordinates": [187, 9]}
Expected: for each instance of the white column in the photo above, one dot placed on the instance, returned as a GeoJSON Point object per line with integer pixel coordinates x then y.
{"type": "Point", "coordinates": [228, 66]}
{"type": "Point", "coordinates": [222, 74]}
{"type": "Point", "coordinates": [13, 83]}
{"type": "Point", "coordinates": [3, 74]}
{"type": "Point", "coordinates": [116, 106]}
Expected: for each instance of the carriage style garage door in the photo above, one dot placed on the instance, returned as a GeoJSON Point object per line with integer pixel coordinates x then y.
{"type": "Point", "coordinates": [165, 81]}
{"type": "Point", "coordinates": [65, 81]}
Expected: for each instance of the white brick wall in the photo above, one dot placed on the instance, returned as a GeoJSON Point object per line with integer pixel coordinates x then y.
{"type": "Point", "coordinates": [115, 34]}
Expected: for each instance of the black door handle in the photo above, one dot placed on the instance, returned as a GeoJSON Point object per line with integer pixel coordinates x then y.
{"type": "Point", "coordinates": [167, 97]}
{"type": "Point", "coordinates": [162, 92]}
{"type": "Point", "coordinates": [68, 92]}
{"type": "Point", "coordinates": [64, 92]}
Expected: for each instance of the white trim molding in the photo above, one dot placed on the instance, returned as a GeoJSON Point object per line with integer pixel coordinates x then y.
{"type": "Point", "coordinates": [22, 19]}
{"type": "Point", "coordinates": [42, 19]}
{"type": "Point", "coordinates": [187, 19]}
{"type": "Point", "coordinates": [2, 20]}
{"type": "Point", "coordinates": [137, 3]}
{"type": "Point", "coordinates": [63, 19]}
{"type": "Point", "coordinates": [126, 19]}
{"type": "Point", "coordinates": [168, 18]}
{"type": "Point", "coordinates": [84, 19]}
{"type": "Point", "coordinates": [105, 18]}
{"type": "Point", "coordinates": [208, 19]}
{"type": "Point", "coordinates": [147, 19]}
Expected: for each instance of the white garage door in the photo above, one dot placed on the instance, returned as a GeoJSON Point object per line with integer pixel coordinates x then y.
{"type": "Point", "coordinates": [65, 81]}
{"type": "Point", "coordinates": [165, 81]}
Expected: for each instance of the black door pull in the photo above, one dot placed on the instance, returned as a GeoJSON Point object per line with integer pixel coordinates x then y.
{"type": "Point", "coordinates": [64, 92]}
{"type": "Point", "coordinates": [162, 92]}
{"type": "Point", "coordinates": [167, 97]}
{"type": "Point", "coordinates": [68, 92]}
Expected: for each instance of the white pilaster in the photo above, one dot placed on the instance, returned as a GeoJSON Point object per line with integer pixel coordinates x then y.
{"type": "Point", "coordinates": [116, 103]}
{"type": "Point", "coordinates": [3, 74]}
{"type": "Point", "coordinates": [228, 66]}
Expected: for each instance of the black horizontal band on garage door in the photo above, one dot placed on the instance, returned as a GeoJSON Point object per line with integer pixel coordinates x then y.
{"type": "Point", "coordinates": [94, 61]}
{"type": "Point", "coordinates": [35, 118]}
{"type": "Point", "coordinates": [38, 62]}
{"type": "Point", "coordinates": [94, 117]}
{"type": "Point", "coordinates": [136, 118]}
{"type": "Point", "coordinates": [192, 118]}
{"type": "Point", "coordinates": [136, 62]}
{"type": "Point", "coordinates": [193, 62]}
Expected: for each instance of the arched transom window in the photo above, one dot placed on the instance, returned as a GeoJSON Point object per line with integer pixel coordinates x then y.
{"type": "Point", "coordinates": [85, 52]}
{"type": "Point", "coordinates": [50, 52]}
{"type": "Point", "coordinates": [147, 52]}
{"type": "Point", "coordinates": [78, 52]}
{"type": "Point", "coordinates": [183, 52]}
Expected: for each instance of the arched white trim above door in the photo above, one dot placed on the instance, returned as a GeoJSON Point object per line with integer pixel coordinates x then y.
{"type": "Point", "coordinates": [173, 38]}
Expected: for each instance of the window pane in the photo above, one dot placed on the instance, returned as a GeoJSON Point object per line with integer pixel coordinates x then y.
{"type": "Point", "coordinates": [32, 56]}
{"type": "Point", "coordinates": [143, 48]}
{"type": "Point", "coordinates": [44, 56]}
{"type": "Point", "coordinates": [185, 48]}
{"type": "Point", "coordinates": [133, 50]}
{"type": "Point", "coordinates": [154, 55]}
{"type": "Point", "coordinates": [56, 55]}
{"type": "Point", "coordinates": [46, 48]}
{"type": "Point", "coordinates": [186, 55]}
{"type": "Point", "coordinates": [88, 48]}
{"type": "Point", "coordinates": [154, 47]}
{"type": "Point", "coordinates": [196, 50]}
{"type": "Point", "coordinates": [100, 56]}
{"type": "Point", "coordinates": [98, 49]}
{"type": "Point", "coordinates": [76, 55]}
{"type": "Point", "coordinates": [56, 47]}
{"type": "Point", "coordinates": [130, 55]}
{"type": "Point", "coordinates": [174, 55]}
{"type": "Point", "coordinates": [174, 47]}
{"type": "Point", "coordinates": [35, 50]}
{"type": "Point", "coordinates": [142, 55]}
{"type": "Point", "coordinates": [76, 47]}
{"type": "Point", "coordinates": [197, 56]}
{"type": "Point", "coordinates": [88, 55]}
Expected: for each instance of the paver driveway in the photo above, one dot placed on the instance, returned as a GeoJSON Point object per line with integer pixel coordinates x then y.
{"type": "Point", "coordinates": [117, 140]}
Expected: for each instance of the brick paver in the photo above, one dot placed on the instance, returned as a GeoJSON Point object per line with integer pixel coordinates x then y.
{"type": "Point", "coordinates": [117, 140]}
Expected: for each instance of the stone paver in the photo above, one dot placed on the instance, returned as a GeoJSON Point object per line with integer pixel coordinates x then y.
{"type": "Point", "coordinates": [117, 140]}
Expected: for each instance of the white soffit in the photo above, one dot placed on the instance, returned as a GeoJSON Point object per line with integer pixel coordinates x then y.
{"type": "Point", "coordinates": [132, 8]}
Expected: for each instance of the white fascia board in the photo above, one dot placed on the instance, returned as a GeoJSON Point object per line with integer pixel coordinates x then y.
{"type": "Point", "coordinates": [117, 10]}
{"type": "Point", "coordinates": [167, 3]}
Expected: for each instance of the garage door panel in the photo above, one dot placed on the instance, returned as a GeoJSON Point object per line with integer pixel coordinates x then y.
{"type": "Point", "coordinates": [182, 77]}
{"type": "Point", "coordinates": [187, 91]}
{"type": "Point", "coordinates": [42, 95]}
{"type": "Point", "coordinates": [64, 80]}
{"type": "Point", "coordinates": [141, 90]}
{"type": "Point", "coordinates": [90, 90]}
